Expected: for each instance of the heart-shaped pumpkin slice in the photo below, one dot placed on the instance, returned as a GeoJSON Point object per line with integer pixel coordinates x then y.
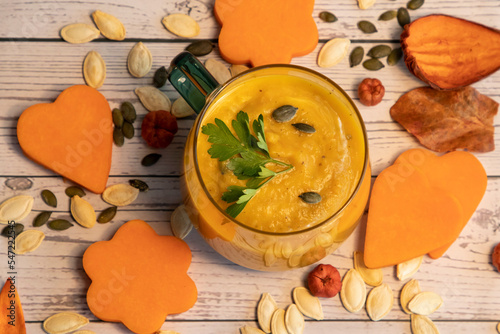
{"type": "Point", "coordinates": [72, 136]}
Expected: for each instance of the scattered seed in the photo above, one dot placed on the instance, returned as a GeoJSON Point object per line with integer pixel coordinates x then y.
{"type": "Point", "coordinates": [356, 56]}
{"type": "Point", "coordinates": [409, 268]}
{"type": "Point", "coordinates": [236, 69]}
{"type": "Point", "coordinates": [19, 183]}
{"type": "Point", "coordinates": [153, 99]}
{"type": "Point", "coordinates": [414, 4]}
{"type": "Point", "coordinates": [284, 113]}
{"type": "Point", "coordinates": [410, 290]}
{"type": "Point", "coordinates": [120, 194]}
{"type": "Point", "coordinates": [367, 27]}
{"type": "Point", "coordinates": [41, 218]}
{"type": "Point", "coordinates": [373, 64]}
{"type": "Point", "coordinates": [117, 117]}
{"type": "Point", "coordinates": [333, 52]}
{"type": "Point", "coordinates": [86, 331]}
{"type": "Point", "coordinates": [200, 48]}
{"type": "Point", "coordinates": [425, 303]}
{"type": "Point", "coordinates": [294, 320]}
{"type": "Point", "coordinates": [128, 112]}
{"type": "Point", "coordinates": [278, 322]}
{"type": "Point", "coordinates": [379, 51]}
{"type": "Point", "coordinates": [302, 127]}
{"type": "Point", "coordinates": [379, 302]}
{"type": "Point", "coordinates": [150, 159]}
{"type": "Point", "coordinates": [160, 77]}
{"type": "Point", "coordinates": [28, 241]}
{"type": "Point", "coordinates": [15, 208]}
{"type": "Point", "coordinates": [420, 324]}
{"type": "Point", "coordinates": [269, 257]}
{"type": "Point", "coordinates": [265, 310]}
{"type": "Point", "coordinates": [180, 108]}
{"type": "Point", "coordinates": [107, 215]}
{"type": "Point", "coordinates": [139, 60]}
{"type": "Point", "coordinates": [118, 137]}
{"type": "Point", "coordinates": [394, 56]}
{"type": "Point", "coordinates": [327, 17]}
{"type": "Point", "coordinates": [128, 130]}
{"type": "Point", "coordinates": [218, 69]}
{"type": "Point", "coordinates": [180, 223]}
{"type": "Point", "coordinates": [83, 212]}
{"type": "Point", "coordinates": [64, 322]}
{"type": "Point", "coordinates": [139, 184]}
{"type": "Point", "coordinates": [49, 198]}
{"type": "Point", "coordinates": [12, 230]}
{"type": "Point", "coordinates": [94, 70]}
{"type": "Point", "coordinates": [181, 25]}
{"type": "Point", "coordinates": [388, 15]}
{"type": "Point", "coordinates": [365, 4]}
{"type": "Point", "coordinates": [308, 305]}
{"type": "Point", "coordinates": [59, 224]}
{"type": "Point", "coordinates": [110, 26]}
{"type": "Point", "coordinates": [250, 330]}
{"type": "Point", "coordinates": [371, 277]}
{"type": "Point", "coordinates": [310, 197]}
{"type": "Point", "coordinates": [79, 33]}
{"type": "Point", "coordinates": [403, 17]}
{"type": "Point", "coordinates": [353, 291]}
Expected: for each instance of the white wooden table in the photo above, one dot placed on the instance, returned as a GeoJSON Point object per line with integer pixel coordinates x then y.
{"type": "Point", "coordinates": [36, 65]}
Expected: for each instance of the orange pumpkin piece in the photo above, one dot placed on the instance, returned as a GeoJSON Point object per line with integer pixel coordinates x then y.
{"type": "Point", "coordinates": [420, 205]}
{"type": "Point", "coordinates": [264, 32]}
{"type": "Point", "coordinates": [11, 314]}
{"type": "Point", "coordinates": [139, 277]}
{"type": "Point", "coordinates": [72, 136]}
{"type": "Point", "coordinates": [448, 52]}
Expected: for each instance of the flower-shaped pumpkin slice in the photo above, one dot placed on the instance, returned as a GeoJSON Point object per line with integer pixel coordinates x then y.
{"type": "Point", "coordinates": [139, 277]}
{"type": "Point", "coordinates": [264, 32]}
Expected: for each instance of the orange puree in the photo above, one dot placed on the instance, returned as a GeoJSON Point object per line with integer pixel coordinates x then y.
{"type": "Point", "coordinates": [329, 161]}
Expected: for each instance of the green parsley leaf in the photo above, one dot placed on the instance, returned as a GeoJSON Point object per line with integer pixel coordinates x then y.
{"type": "Point", "coordinates": [235, 209]}
{"type": "Point", "coordinates": [233, 193]}
{"type": "Point", "coordinates": [248, 165]}
{"type": "Point", "coordinates": [224, 144]}
{"type": "Point", "coordinates": [248, 194]}
{"type": "Point", "coordinates": [241, 126]}
{"type": "Point", "coordinates": [264, 172]}
{"type": "Point", "coordinates": [258, 128]}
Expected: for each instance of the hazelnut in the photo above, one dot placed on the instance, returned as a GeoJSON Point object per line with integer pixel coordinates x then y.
{"type": "Point", "coordinates": [370, 91]}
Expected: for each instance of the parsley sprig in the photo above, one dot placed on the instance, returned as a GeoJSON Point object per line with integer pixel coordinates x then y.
{"type": "Point", "coordinates": [247, 156]}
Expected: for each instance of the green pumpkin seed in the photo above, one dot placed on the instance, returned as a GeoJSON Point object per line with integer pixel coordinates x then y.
{"type": "Point", "coordinates": [139, 184]}
{"type": "Point", "coordinates": [302, 127]}
{"type": "Point", "coordinates": [356, 56]}
{"type": "Point", "coordinates": [310, 197]}
{"type": "Point", "coordinates": [160, 77]}
{"type": "Point", "coordinates": [403, 17]}
{"type": "Point", "coordinates": [128, 111]}
{"type": "Point", "coordinates": [150, 159]}
{"type": "Point", "coordinates": [41, 218]}
{"type": "Point", "coordinates": [200, 48]}
{"type": "Point", "coordinates": [379, 51]}
{"type": "Point", "coordinates": [117, 118]}
{"type": "Point", "coordinates": [128, 130]}
{"type": "Point", "coordinates": [414, 4]}
{"type": "Point", "coordinates": [107, 215]}
{"type": "Point", "coordinates": [373, 64]}
{"type": "Point", "coordinates": [394, 57]}
{"type": "Point", "coordinates": [12, 230]}
{"type": "Point", "coordinates": [49, 198]}
{"type": "Point", "coordinates": [284, 113]}
{"type": "Point", "coordinates": [387, 16]}
{"type": "Point", "coordinates": [74, 191]}
{"type": "Point", "coordinates": [118, 137]}
{"type": "Point", "coordinates": [367, 27]}
{"type": "Point", "coordinates": [59, 224]}
{"type": "Point", "coordinates": [327, 17]}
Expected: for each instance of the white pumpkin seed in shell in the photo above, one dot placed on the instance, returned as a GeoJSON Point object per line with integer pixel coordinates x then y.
{"type": "Point", "coordinates": [83, 212]}
{"type": "Point", "coordinates": [85, 331]}
{"type": "Point", "coordinates": [407, 269]}
{"type": "Point", "coordinates": [250, 330]}
{"type": "Point", "coordinates": [139, 60]}
{"type": "Point", "coordinates": [365, 4]}
{"type": "Point", "coordinates": [425, 303]}
{"type": "Point", "coordinates": [237, 69]}
{"type": "Point", "coordinates": [308, 305]}
{"type": "Point", "coordinates": [294, 320]}
{"type": "Point", "coordinates": [181, 25]}
{"type": "Point", "coordinates": [15, 208]}
{"type": "Point", "coordinates": [153, 99]}
{"type": "Point", "coordinates": [295, 256]}
{"type": "Point", "coordinates": [379, 302]}
{"type": "Point", "coordinates": [409, 290]}
{"type": "Point", "coordinates": [420, 324]}
{"type": "Point", "coordinates": [79, 33]}
{"type": "Point", "coordinates": [371, 277]}
{"type": "Point", "coordinates": [324, 240]}
{"type": "Point", "coordinates": [498, 327]}
{"type": "Point", "coordinates": [180, 223]}
{"type": "Point", "coordinates": [94, 69]}
{"type": "Point", "coordinates": [180, 108]}
{"type": "Point", "coordinates": [278, 322]}
{"type": "Point", "coordinates": [333, 52]}
{"type": "Point", "coordinates": [353, 291]}
{"type": "Point", "coordinates": [218, 69]}
{"type": "Point", "coordinates": [28, 241]}
{"type": "Point", "coordinates": [110, 26]}
{"type": "Point", "coordinates": [265, 311]}
{"type": "Point", "coordinates": [120, 194]}
{"type": "Point", "coordinates": [269, 257]}
{"type": "Point", "coordinates": [64, 322]}
{"type": "Point", "coordinates": [286, 250]}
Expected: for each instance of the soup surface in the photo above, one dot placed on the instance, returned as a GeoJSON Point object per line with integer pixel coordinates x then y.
{"type": "Point", "coordinates": [328, 161]}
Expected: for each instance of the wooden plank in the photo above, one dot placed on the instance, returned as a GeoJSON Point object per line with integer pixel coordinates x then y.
{"type": "Point", "coordinates": [44, 19]}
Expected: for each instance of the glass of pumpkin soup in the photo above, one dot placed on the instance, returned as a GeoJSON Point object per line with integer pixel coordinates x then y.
{"type": "Point", "coordinates": [276, 169]}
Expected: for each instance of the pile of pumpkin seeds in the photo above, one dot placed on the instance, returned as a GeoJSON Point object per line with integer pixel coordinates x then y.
{"type": "Point", "coordinates": [123, 119]}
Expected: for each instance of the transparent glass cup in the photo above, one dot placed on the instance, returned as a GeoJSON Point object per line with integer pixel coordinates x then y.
{"type": "Point", "coordinates": [243, 245]}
